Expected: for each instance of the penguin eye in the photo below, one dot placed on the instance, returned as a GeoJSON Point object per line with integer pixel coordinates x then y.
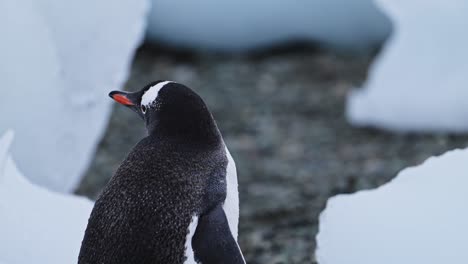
{"type": "Point", "coordinates": [143, 109]}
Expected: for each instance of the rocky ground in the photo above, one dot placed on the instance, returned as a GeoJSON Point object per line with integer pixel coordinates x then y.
{"type": "Point", "coordinates": [282, 116]}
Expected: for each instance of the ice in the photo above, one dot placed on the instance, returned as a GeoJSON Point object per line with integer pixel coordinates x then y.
{"type": "Point", "coordinates": [36, 225]}
{"type": "Point", "coordinates": [59, 60]}
{"type": "Point", "coordinates": [419, 217]}
{"type": "Point", "coordinates": [419, 81]}
{"type": "Point", "coordinates": [241, 25]}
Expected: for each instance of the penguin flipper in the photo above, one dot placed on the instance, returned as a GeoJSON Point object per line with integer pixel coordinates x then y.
{"type": "Point", "coordinates": [213, 242]}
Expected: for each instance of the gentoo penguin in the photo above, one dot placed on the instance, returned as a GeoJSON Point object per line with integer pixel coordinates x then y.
{"type": "Point", "coordinates": [174, 198]}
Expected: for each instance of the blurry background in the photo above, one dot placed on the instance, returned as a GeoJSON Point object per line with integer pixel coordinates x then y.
{"type": "Point", "coordinates": [277, 76]}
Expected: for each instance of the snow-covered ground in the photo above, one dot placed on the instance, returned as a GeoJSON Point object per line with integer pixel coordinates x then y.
{"type": "Point", "coordinates": [235, 25]}
{"type": "Point", "coordinates": [419, 217]}
{"type": "Point", "coordinates": [36, 225]}
{"type": "Point", "coordinates": [419, 82]}
{"type": "Point", "coordinates": [58, 61]}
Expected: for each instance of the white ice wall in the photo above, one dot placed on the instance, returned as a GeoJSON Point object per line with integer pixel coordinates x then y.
{"type": "Point", "coordinates": [36, 225]}
{"type": "Point", "coordinates": [235, 25]}
{"type": "Point", "coordinates": [419, 82]}
{"type": "Point", "coordinates": [419, 217]}
{"type": "Point", "coordinates": [58, 61]}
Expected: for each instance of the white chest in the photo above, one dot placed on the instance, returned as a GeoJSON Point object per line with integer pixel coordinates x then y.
{"type": "Point", "coordinates": [231, 205]}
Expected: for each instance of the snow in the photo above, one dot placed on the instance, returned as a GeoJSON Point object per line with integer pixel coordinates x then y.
{"type": "Point", "coordinates": [419, 81]}
{"type": "Point", "coordinates": [36, 225]}
{"type": "Point", "coordinates": [242, 25]}
{"type": "Point", "coordinates": [419, 217]}
{"type": "Point", "coordinates": [59, 61]}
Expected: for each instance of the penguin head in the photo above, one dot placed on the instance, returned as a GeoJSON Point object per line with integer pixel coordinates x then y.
{"type": "Point", "coordinates": [171, 109]}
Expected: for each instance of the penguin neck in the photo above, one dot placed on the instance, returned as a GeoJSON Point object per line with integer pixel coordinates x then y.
{"type": "Point", "coordinates": [195, 129]}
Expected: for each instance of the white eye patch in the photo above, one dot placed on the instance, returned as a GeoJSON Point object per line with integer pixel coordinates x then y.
{"type": "Point", "coordinates": [152, 93]}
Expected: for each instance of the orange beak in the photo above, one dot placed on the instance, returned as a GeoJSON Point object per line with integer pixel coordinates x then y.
{"type": "Point", "coordinates": [121, 98]}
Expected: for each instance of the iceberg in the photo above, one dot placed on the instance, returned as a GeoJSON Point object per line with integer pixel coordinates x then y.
{"type": "Point", "coordinates": [244, 25]}
{"type": "Point", "coordinates": [59, 61]}
{"type": "Point", "coordinates": [419, 217]}
{"type": "Point", "coordinates": [418, 82]}
{"type": "Point", "coordinates": [37, 225]}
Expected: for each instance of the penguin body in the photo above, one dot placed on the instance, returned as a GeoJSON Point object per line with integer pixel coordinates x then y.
{"type": "Point", "coordinates": [173, 200]}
